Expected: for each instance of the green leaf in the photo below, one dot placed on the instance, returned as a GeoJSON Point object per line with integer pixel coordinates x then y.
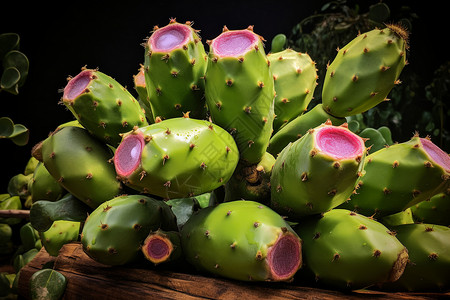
{"type": "Point", "coordinates": [10, 78]}
{"type": "Point", "coordinates": [6, 127]}
{"type": "Point", "coordinates": [47, 284]}
{"type": "Point", "coordinates": [278, 43]}
{"type": "Point", "coordinates": [21, 135]}
{"type": "Point", "coordinates": [19, 61]}
{"type": "Point", "coordinates": [8, 42]}
{"type": "Point", "coordinates": [379, 12]}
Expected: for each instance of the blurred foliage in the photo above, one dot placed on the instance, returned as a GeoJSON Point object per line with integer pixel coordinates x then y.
{"type": "Point", "coordinates": [335, 25]}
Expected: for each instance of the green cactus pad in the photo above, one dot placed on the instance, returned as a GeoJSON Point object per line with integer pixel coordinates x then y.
{"type": "Point", "coordinates": [399, 177]}
{"type": "Point", "coordinates": [317, 172]}
{"type": "Point", "coordinates": [435, 210]}
{"type": "Point", "coordinates": [60, 233]}
{"type": "Point", "coordinates": [242, 240]}
{"type": "Point", "coordinates": [102, 105]}
{"type": "Point", "coordinates": [240, 91]}
{"type": "Point", "coordinates": [345, 250]}
{"type": "Point", "coordinates": [176, 158]}
{"type": "Point", "coordinates": [43, 186]}
{"type": "Point", "coordinates": [295, 80]}
{"type": "Point", "coordinates": [114, 232]}
{"type": "Point", "coordinates": [175, 65]}
{"type": "Point", "coordinates": [364, 71]}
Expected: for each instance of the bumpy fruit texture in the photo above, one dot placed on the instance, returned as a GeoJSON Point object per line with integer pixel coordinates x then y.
{"type": "Point", "coordinates": [141, 89]}
{"type": "Point", "coordinates": [295, 79]}
{"type": "Point", "coordinates": [317, 172]}
{"type": "Point", "coordinates": [80, 163]}
{"type": "Point", "coordinates": [175, 65]}
{"type": "Point", "coordinates": [345, 250]}
{"type": "Point", "coordinates": [43, 186]}
{"type": "Point", "coordinates": [162, 246]}
{"type": "Point", "coordinates": [240, 91]}
{"type": "Point", "coordinates": [401, 176]}
{"type": "Point", "coordinates": [365, 71]}
{"type": "Point", "coordinates": [60, 233]}
{"type": "Point", "coordinates": [102, 105]}
{"type": "Point", "coordinates": [242, 240]}
{"type": "Point", "coordinates": [299, 126]}
{"type": "Point", "coordinates": [176, 158]}
{"type": "Point", "coordinates": [435, 210]}
{"type": "Point", "coordinates": [428, 268]}
{"type": "Point", "coordinates": [114, 232]}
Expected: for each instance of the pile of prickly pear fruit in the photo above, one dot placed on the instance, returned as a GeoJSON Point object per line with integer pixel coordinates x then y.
{"type": "Point", "coordinates": [219, 166]}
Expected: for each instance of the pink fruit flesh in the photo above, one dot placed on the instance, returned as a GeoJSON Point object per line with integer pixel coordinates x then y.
{"type": "Point", "coordinates": [128, 155]}
{"type": "Point", "coordinates": [437, 154]}
{"type": "Point", "coordinates": [169, 38]}
{"type": "Point", "coordinates": [284, 257]}
{"type": "Point", "coordinates": [77, 85]}
{"type": "Point", "coordinates": [234, 43]}
{"type": "Point", "coordinates": [157, 248]}
{"type": "Point", "coordinates": [339, 143]}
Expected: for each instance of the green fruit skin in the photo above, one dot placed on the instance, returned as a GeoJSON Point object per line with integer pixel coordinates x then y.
{"type": "Point", "coordinates": [60, 233]}
{"type": "Point", "coordinates": [80, 163]}
{"type": "Point", "coordinates": [240, 97]}
{"type": "Point", "coordinates": [345, 250]}
{"type": "Point", "coordinates": [106, 109]}
{"type": "Point", "coordinates": [428, 268]}
{"type": "Point", "coordinates": [182, 157]}
{"type": "Point", "coordinates": [396, 178]}
{"type": "Point", "coordinates": [435, 210]}
{"type": "Point", "coordinates": [363, 72]}
{"type": "Point", "coordinates": [296, 128]}
{"type": "Point", "coordinates": [114, 232]}
{"type": "Point", "coordinates": [43, 186]}
{"type": "Point", "coordinates": [175, 79]}
{"type": "Point", "coordinates": [233, 239]}
{"type": "Point", "coordinates": [295, 79]}
{"type": "Point", "coordinates": [307, 181]}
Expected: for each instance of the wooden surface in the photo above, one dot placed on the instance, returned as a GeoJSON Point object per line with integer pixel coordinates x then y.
{"type": "Point", "coordinates": [88, 279]}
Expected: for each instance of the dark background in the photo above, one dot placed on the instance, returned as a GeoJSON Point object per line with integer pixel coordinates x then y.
{"type": "Point", "coordinates": [59, 40]}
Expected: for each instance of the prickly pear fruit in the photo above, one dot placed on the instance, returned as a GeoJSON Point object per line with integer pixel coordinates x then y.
{"type": "Point", "coordinates": [299, 126]}
{"type": "Point", "coordinates": [350, 89]}
{"type": "Point", "coordinates": [59, 234]}
{"type": "Point", "coordinates": [175, 65]}
{"type": "Point", "coordinates": [242, 240]}
{"type": "Point", "coordinates": [345, 250]}
{"type": "Point", "coordinates": [317, 172]}
{"type": "Point", "coordinates": [240, 91]}
{"type": "Point", "coordinates": [399, 177]}
{"type": "Point", "coordinates": [176, 158]}
{"type": "Point", "coordinates": [43, 186]}
{"type": "Point", "coordinates": [428, 268]}
{"type": "Point", "coordinates": [295, 79]}
{"type": "Point", "coordinates": [114, 231]}
{"type": "Point", "coordinates": [102, 105]}
{"type": "Point", "coordinates": [162, 246]}
{"type": "Point", "coordinates": [435, 210]}
{"type": "Point", "coordinates": [80, 163]}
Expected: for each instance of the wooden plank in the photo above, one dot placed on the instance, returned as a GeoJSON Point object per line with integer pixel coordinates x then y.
{"type": "Point", "coordinates": [88, 279]}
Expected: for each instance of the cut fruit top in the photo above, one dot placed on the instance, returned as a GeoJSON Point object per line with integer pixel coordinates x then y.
{"type": "Point", "coordinates": [128, 155]}
{"type": "Point", "coordinates": [77, 85]}
{"type": "Point", "coordinates": [339, 143]}
{"type": "Point", "coordinates": [436, 154]}
{"type": "Point", "coordinates": [170, 37]}
{"type": "Point", "coordinates": [284, 257]}
{"type": "Point", "coordinates": [234, 43]}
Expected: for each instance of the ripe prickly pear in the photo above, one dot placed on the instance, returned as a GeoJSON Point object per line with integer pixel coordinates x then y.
{"type": "Point", "coordinates": [399, 177]}
{"type": "Point", "coordinates": [240, 91]}
{"type": "Point", "coordinates": [176, 158]}
{"type": "Point", "coordinates": [295, 76]}
{"type": "Point", "coordinates": [102, 105]}
{"type": "Point", "coordinates": [162, 246]}
{"type": "Point", "coordinates": [114, 232]}
{"type": "Point", "coordinates": [345, 250]}
{"type": "Point", "coordinates": [175, 65]}
{"type": "Point", "coordinates": [317, 172]}
{"type": "Point", "coordinates": [365, 71]}
{"type": "Point", "coordinates": [242, 240]}
{"type": "Point", "coordinates": [60, 233]}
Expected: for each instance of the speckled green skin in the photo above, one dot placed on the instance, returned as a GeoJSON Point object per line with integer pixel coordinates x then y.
{"type": "Point", "coordinates": [307, 181]}
{"type": "Point", "coordinates": [114, 232]}
{"type": "Point", "coordinates": [346, 250]}
{"type": "Point", "coordinates": [240, 96]}
{"type": "Point", "coordinates": [80, 163]}
{"type": "Point", "coordinates": [297, 127]}
{"type": "Point", "coordinates": [234, 239]}
{"type": "Point", "coordinates": [174, 79]}
{"type": "Point", "coordinates": [43, 186]}
{"type": "Point", "coordinates": [396, 178]}
{"type": "Point", "coordinates": [363, 72]}
{"type": "Point", "coordinates": [61, 233]}
{"type": "Point", "coordinates": [428, 268]}
{"type": "Point", "coordinates": [105, 108]}
{"type": "Point", "coordinates": [435, 210]}
{"type": "Point", "coordinates": [181, 157]}
{"type": "Point", "coordinates": [295, 80]}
